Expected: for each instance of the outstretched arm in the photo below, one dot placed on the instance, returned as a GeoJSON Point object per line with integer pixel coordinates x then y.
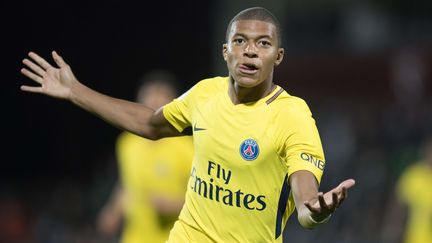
{"type": "Point", "coordinates": [60, 82]}
{"type": "Point", "coordinates": [313, 207]}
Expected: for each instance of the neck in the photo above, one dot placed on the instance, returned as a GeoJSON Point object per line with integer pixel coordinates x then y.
{"type": "Point", "coordinates": [239, 94]}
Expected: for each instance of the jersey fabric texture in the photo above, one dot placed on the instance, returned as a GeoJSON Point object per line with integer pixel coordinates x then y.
{"type": "Point", "coordinates": [414, 191]}
{"type": "Point", "coordinates": [238, 188]}
{"type": "Point", "coordinates": [150, 169]}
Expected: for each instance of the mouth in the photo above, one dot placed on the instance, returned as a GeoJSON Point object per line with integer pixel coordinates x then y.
{"type": "Point", "coordinates": [248, 68]}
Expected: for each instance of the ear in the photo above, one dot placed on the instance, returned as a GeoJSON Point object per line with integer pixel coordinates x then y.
{"type": "Point", "coordinates": [224, 51]}
{"type": "Point", "coordinates": [279, 56]}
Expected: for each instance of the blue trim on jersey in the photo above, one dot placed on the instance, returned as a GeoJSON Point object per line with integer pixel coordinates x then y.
{"type": "Point", "coordinates": [283, 200]}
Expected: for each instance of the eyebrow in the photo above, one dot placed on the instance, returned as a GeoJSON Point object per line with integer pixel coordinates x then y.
{"type": "Point", "coordinates": [246, 37]}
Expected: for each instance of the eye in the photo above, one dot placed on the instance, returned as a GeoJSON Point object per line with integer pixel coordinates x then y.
{"type": "Point", "coordinates": [238, 41]}
{"type": "Point", "coordinates": [265, 43]}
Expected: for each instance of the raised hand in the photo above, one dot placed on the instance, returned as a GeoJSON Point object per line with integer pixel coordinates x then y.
{"type": "Point", "coordinates": [55, 82]}
{"type": "Point", "coordinates": [327, 203]}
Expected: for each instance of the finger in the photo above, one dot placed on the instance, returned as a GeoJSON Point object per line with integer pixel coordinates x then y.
{"type": "Point", "coordinates": [344, 192]}
{"type": "Point", "coordinates": [312, 209]}
{"type": "Point", "coordinates": [335, 203]}
{"type": "Point", "coordinates": [322, 202]}
{"type": "Point", "coordinates": [343, 196]}
{"type": "Point", "coordinates": [39, 60]}
{"type": "Point", "coordinates": [31, 89]}
{"type": "Point", "coordinates": [58, 59]}
{"type": "Point", "coordinates": [31, 75]}
{"type": "Point", "coordinates": [33, 67]}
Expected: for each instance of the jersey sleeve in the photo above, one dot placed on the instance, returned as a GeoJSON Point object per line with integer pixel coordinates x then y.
{"type": "Point", "coordinates": [299, 141]}
{"type": "Point", "coordinates": [178, 112]}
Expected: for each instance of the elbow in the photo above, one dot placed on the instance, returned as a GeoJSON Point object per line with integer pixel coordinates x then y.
{"type": "Point", "coordinates": [151, 134]}
{"type": "Point", "coordinates": [153, 137]}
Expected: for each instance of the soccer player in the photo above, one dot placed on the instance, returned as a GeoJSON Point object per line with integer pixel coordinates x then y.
{"type": "Point", "coordinates": [257, 151]}
{"type": "Point", "coordinates": [415, 194]}
{"type": "Point", "coordinates": [153, 175]}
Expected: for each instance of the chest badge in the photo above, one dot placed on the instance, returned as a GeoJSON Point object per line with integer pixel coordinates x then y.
{"type": "Point", "coordinates": [249, 149]}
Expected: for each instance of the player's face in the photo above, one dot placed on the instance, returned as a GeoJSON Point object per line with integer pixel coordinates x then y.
{"type": "Point", "coordinates": [155, 96]}
{"type": "Point", "coordinates": [252, 51]}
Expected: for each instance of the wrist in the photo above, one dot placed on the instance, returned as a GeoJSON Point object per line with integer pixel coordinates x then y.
{"type": "Point", "coordinates": [307, 221]}
{"type": "Point", "coordinates": [74, 91]}
{"type": "Point", "coordinates": [319, 221]}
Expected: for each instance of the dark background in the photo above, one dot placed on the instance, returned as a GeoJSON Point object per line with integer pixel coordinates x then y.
{"type": "Point", "coordinates": [58, 163]}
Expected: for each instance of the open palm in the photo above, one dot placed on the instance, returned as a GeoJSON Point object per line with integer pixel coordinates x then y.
{"type": "Point", "coordinates": [53, 81]}
{"type": "Point", "coordinates": [328, 202]}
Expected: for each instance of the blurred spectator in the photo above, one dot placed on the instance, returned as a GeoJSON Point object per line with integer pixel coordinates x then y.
{"type": "Point", "coordinates": [408, 77]}
{"type": "Point", "coordinates": [153, 176]}
{"type": "Point", "coordinates": [16, 222]}
{"type": "Point", "coordinates": [410, 216]}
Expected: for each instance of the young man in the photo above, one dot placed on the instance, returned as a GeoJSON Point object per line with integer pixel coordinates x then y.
{"type": "Point", "coordinates": [153, 175]}
{"type": "Point", "coordinates": [258, 154]}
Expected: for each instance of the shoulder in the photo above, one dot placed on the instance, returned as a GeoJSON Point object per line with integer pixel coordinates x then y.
{"type": "Point", "coordinates": [205, 88]}
{"type": "Point", "coordinates": [413, 170]}
{"type": "Point", "coordinates": [211, 84]}
{"type": "Point", "coordinates": [289, 105]}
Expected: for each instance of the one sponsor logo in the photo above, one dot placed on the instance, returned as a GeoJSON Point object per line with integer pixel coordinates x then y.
{"type": "Point", "coordinates": [215, 186]}
{"type": "Point", "coordinates": [249, 149]}
{"type": "Point", "coordinates": [195, 128]}
{"type": "Point", "coordinates": [313, 160]}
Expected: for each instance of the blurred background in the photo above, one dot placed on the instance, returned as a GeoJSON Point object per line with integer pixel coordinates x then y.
{"type": "Point", "coordinates": [364, 68]}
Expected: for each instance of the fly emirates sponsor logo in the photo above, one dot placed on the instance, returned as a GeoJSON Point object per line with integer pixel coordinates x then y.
{"type": "Point", "coordinates": [207, 188]}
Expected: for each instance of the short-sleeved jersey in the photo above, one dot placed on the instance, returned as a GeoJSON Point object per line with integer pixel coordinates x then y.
{"type": "Point", "coordinates": [238, 189]}
{"type": "Point", "coordinates": [413, 189]}
{"type": "Point", "coordinates": [151, 169]}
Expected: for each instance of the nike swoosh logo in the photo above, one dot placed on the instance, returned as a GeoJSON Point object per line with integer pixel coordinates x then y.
{"type": "Point", "coordinates": [195, 128]}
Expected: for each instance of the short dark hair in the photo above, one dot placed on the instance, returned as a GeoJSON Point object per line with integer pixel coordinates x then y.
{"type": "Point", "coordinates": [158, 78]}
{"type": "Point", "coordinates": [257, 13]}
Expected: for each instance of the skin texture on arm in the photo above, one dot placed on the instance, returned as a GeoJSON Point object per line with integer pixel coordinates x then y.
{"type": "Point", "coordinates": [61, 83]}
{"type": "Point", "coordinates": [311, 203]}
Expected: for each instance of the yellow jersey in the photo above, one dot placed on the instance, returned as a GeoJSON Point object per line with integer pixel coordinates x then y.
{"type": "Point", "coordinates": [148, 169]}
{"type": "Point", "coordinates": [238, 189]}
{"type": "Point", "coordinates": [413, 189]}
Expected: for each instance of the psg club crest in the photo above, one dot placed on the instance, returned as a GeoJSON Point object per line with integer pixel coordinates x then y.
{"type": "Point", "coordinates": [249, 149]}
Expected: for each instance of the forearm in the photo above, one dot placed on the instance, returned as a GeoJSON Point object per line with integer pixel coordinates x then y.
{"type": "Point", "coordinates": [123, 114]}
{"type": "Point", "coordinates": [305, 189]}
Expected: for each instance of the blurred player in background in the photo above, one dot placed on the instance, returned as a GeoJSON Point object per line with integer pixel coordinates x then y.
{"type": "Point", "coordinates": [153, 175]}
{"type": "Point", "coordinates": [257, 152]}
{"type": "Point", "coordinates": [415, 193]}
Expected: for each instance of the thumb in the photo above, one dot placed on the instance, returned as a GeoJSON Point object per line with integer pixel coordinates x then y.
{"type": "Point", "coordinates": [58, 59]}
{"type": "Point", "coordinates": [347, 183]}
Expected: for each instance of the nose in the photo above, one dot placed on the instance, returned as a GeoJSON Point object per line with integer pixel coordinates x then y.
{"type": "Point", "coordinates": [251, 50]}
